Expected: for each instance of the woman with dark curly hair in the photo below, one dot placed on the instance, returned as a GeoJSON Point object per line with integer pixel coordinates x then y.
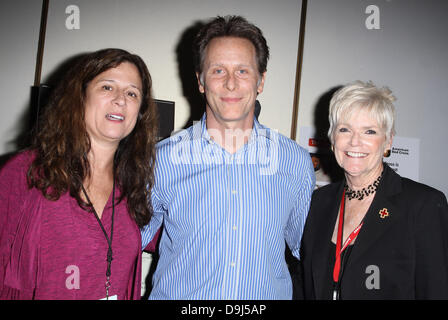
{"type": "Point", "coordinates": [71, 206]}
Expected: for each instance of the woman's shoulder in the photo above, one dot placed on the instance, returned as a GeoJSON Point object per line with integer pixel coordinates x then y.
{"type": "Point", "coordinates": [325, 197]}
{"type": "Point", "coordinates": [327, 190]}
{"type": "Point", "coordinates": [403, 187]}
{"type": "Point", "coordinates": [417, 190]}
{"type": "Point", "coordinates": [15, 169]}
{"type": "Point", "coordinates": [18, 161]}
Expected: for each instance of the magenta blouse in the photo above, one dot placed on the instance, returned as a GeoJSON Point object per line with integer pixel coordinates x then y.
{"type": "Point", "coordinates": [56, 250]}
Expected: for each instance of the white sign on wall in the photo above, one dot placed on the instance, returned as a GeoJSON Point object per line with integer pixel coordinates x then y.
{"type": "Point", "coordinates": [404, 157]}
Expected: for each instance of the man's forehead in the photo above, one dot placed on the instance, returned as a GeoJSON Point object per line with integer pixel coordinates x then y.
{"type": "Point", "coordinates": [223, 49]}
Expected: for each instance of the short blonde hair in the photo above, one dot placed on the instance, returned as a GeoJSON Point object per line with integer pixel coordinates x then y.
{"type": "Point", "coordinates": [379, 102]}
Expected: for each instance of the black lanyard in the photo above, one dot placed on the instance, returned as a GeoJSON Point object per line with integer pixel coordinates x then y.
{"type": "Point", "coordinates": [109, 240]}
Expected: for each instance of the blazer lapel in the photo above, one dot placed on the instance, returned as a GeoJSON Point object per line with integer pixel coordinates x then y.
{"type": "Point", "coordinates": [381, 215]}
{"type": "Point", "coordinates": [323, 248]}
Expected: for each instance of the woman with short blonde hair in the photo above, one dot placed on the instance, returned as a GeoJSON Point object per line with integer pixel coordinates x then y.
{"type": "Point", "coordinates": [375, 234]}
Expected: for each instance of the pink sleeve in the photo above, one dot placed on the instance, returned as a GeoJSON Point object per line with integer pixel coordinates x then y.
{"type": "Point", "coordinates": [137, 283]}
{"type": "Point", "coordinates": [19, 232]}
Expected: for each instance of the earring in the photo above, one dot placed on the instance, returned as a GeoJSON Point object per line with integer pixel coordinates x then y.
{"type": "Point", "coordinates": [386, 153]}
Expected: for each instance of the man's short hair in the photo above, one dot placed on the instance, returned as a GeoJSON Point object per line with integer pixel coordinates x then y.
{"type": "Point", "coordinates": [230, 26]}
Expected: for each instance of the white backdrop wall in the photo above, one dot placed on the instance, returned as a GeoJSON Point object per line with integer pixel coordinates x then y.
{"type": "Point", "coordinates": [19, 35]}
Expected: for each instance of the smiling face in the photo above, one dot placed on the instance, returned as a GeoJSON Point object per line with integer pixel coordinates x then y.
{"type": "Point", "coordinates": [231, 82]}
{"type": "Point", "coordinates": [112, 103]}
{"type": "Point", "coordinates": [359, 144]}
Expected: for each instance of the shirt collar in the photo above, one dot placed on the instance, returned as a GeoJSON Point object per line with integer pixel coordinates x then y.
{"type": "Point", "coordinates": [258, 130]}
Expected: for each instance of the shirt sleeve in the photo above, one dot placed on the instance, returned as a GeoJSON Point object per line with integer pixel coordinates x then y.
{"type": "Point", "coordinates": [297, 218]}
{"type": "Point", "coordinates": [151, 232]}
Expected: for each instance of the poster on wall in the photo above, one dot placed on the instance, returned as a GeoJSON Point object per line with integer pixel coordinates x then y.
{"type": "Point", "coordinates": [403, 159]}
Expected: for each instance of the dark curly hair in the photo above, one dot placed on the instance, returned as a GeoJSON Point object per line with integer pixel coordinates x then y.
{"type": "Point", "coordinates": [62, 143]}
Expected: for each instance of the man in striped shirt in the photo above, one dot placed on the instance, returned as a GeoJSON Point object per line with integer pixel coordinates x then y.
{"type": "Point", "coordinates": [229, 192]}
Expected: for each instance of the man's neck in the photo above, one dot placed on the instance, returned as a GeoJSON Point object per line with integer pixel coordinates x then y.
{"type": "Point", "coordinates": [230, 135]}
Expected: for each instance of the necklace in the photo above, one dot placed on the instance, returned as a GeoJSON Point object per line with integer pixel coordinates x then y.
{"type": "Point", "coordinates": [364, 192]}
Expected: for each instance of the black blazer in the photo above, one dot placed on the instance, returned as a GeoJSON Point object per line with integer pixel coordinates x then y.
{"type": "Point", "coordinates": [406, 252]}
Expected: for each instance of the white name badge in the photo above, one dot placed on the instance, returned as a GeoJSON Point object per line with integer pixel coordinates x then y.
{"type": "Point", "coordinates": [114, 297]}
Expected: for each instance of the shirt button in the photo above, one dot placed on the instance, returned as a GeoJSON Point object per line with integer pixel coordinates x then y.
{"type": "Point", "coordinates": [234, 228]}
{"type": "Point", "coordinates": [234, 192]}
{"type": "Point", "coordinates": [232, 264]}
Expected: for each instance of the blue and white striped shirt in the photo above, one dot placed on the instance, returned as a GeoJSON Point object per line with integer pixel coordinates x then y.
{"type": "Point", "coordinates": [226, 216]}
